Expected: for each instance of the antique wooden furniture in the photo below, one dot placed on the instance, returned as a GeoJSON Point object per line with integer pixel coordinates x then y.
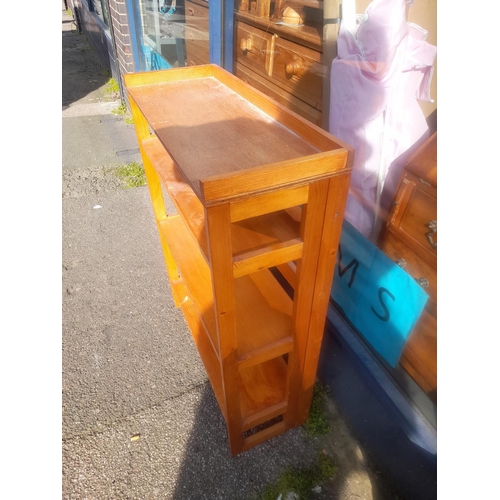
{"type": "Point", "coordinates": [283, 61]}
{"type": "Point", "coordinates": [410, 239]}
{"type": "Point", "coordinates": [196, 32]}
{"type": "Point", "coordinates": [256, 188]}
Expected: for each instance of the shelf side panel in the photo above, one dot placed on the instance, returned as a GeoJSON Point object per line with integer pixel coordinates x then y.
{"type": "Point", "coordinates": [206, 352]}
{"type": "Point", "coordinates": [184, 199]}
{"type": "Point", "coordinates": [330, 237]}
{"type": "Point", "coordinates": [194, 272]}
{"type": "Point", "coordinates": [220, 256]}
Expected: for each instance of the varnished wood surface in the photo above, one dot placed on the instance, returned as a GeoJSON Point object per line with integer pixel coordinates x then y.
{"type": "Point", "coordinates": [404, 241]}
{"type": "Point", "coordinates": [310, 36]}
{"type": "Point", "coordinates": [252, 183]}
{"type": "Point", "coordinates": [419, 357]}
{"type": "Point", "coordinates": [209, 130]}
{"type": "Point", "coordinates": [284, 97]}
{"type": "Point", "coordinates": [249, 235]}
{"type": "Point", "coordinates": [216, 127]}
{"type": "Point", "coordinates": [423, 162]}
{"type": "Point", "coordinates": [415, 208]}
{"type": "Point", "coordinates": [254, 331]}
{"type": "Point", "coordinates": [414, 265]}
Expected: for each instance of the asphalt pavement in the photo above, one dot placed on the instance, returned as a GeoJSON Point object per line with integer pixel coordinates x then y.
{"type": "Point", "coordinates": [140, 420]}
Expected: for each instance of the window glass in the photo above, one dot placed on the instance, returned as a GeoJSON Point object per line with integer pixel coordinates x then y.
{"type": "Point", "coordinates": [173, 33]}
{"type": "Point", "coordinates": [366, 73]}
{"type": "Point", "coordinates": [100, 7]}
{"type": "Point", "coordinates": [386, 278]}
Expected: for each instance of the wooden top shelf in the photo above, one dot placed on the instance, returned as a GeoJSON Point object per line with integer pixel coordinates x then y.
{"type": "Point", "coordinates": [228, 139]}
{"type": "Point", "coordinates": [250, 237]}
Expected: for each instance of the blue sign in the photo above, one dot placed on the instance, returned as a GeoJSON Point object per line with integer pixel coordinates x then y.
{"type": "Point", "coordinates": [378, 297]}
{"type": "Point", "coordinates": [152, 60]}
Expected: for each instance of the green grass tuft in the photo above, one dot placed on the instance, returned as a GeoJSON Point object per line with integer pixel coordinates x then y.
{"type": "Point", "coordinates": [112, 86]}
{"type": "Point", "coordinates": [120, 110]}
{"type": "Point", "coordinates": [317, 424]}
{"type": "Point", "coordinates": [301, 480]}
{"type": "Point", "coordinates": [327, 466]}
{"type": "Point", "coordinates": [132, 174]}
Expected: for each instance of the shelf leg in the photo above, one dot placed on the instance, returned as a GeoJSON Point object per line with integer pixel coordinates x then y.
{"type": "Point", "coordinates": [313, 215]}
{"type": "Point", "coordinates": [331, 230]}
{"type": "Point", "coordinates": [220, 249]}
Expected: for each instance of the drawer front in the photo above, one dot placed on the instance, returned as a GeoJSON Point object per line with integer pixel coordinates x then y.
{"type": "Point", "coordinates": [197, 47]}
{"type": "Point", "coordinates": [196, 15]}
{"type": "Point", "coordinates": [253, 48]}
{"type": "Point", "coordinates": [266, 86]}
{"type": "Point", "coordinates": [299, 70]}
{"type": "Point", "coordinates": [414, 265]}
{"type": "Point", "coordinates": [415, 216]}
{"type": "Point", "coordinates": [419, 357]}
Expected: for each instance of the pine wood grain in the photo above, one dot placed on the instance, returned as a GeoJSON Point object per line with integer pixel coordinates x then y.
{"type": "Point", "coordinates": [256, 186]}
{"type": "Point", "coordinates": [220, 256]}
{"type": "Point", "coordinates": [330, 237]}
{"type": "Point", "coordinates": [313, 214]}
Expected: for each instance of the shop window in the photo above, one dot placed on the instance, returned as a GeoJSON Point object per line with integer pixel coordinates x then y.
{"type": "Point", "coordinates": [380, 61]}
{"type": "Point", "coordinates": [100, 8]}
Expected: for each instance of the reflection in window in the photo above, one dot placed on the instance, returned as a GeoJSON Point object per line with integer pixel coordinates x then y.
{"type": "Point", "coordinates": [100, 8]}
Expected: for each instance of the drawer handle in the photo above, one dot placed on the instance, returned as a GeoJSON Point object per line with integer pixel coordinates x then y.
{"type": "Point", "coordinates": [401, 263]}
{"type": "Point", "coordinates": [294, 67]}
{"type": "Point", "coordinates": [246, 44]}
{"type": "Point", "coordinates": [423, 282]}
{"type": "Point", "coordinates": [432, 225]}
{"type": "Point", "coordinates": [191, 11]}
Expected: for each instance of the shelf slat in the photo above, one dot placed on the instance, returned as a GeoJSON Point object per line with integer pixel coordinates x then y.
{"type": "Point", "coordinates": [275, 234]}
{"type": "Point", "coordinates": [206, 352]}
{"type": "Point", "coordinates": [262, 391]}
{"type": "Point", "coordinates": [260, 336]}
{"type": "Point", "coordinates": [256, 260]}
{"type": "Point", "coordinates": [184, 199]}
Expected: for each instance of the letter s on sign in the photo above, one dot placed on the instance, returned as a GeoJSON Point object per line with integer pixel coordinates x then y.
{"type": "Point", "coordinates": [387, 314]}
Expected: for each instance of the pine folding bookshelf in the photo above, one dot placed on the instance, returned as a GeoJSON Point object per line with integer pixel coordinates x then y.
{"type": "Point", "coordinates": [259, 195]}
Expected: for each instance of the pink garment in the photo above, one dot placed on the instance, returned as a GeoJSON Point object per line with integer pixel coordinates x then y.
{"type": "Point", "coordinates": [376, 79]}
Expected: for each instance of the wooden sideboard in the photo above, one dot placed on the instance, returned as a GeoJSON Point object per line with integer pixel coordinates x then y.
{"type": "Point", "coordinates": [410, 239]}
{"type": "Point", "coordinates": [196, 32]}
{"type": "Point", "coordinates": [285, 62]}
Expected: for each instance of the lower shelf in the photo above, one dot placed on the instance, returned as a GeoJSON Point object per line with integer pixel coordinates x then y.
{"type": "Point", "coordinates": [263, 326]}
{"type": "Point", "coordinates": [262, 387]}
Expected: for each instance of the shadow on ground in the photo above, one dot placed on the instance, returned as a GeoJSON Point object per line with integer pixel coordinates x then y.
{"type": "Point", "coordinates": [81, 71]}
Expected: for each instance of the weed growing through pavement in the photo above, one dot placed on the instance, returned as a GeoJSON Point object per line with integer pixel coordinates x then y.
{"type": "Point", "coordinates": [317, 424]}
{"type": "Point", "coordinates": [132, 174]}
{"type": "Point", "coordinates": [120, 110]}
{"type": "Point", "coordinates": [112, 86]}
{"type": "Point", "coordinates": [302, 480]}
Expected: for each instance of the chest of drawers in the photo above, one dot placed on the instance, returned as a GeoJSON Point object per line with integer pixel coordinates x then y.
{"type": "Point", "coordinates": [284, 62]}
{"type": "Point", "coordinates": [410, 239]}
